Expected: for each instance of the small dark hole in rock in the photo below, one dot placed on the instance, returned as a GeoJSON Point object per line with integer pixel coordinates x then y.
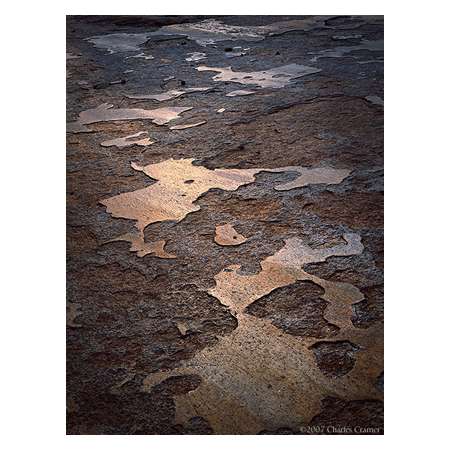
{"type": "Point", "coordinates": [188, 181]}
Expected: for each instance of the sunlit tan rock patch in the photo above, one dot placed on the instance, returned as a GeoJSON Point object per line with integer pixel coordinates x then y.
{"type": "Point", "coordinates": [142, 248]}
{"type": "Point", "coordinates": [127, 141]}
{"type": "Point", "coordinates": [227, 235]}
{"type": "Point", "coordinates": [277, 77]}
{"type": "Point", "coordinates": [263, 377]}
{"type": "Point", "coordinates": [180, 183]}
{"type": "Point", "coordinates": [106, 113]}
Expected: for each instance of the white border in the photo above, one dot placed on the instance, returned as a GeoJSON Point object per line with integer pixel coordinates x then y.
{"type": "Point", "coordinates": [33, 223]}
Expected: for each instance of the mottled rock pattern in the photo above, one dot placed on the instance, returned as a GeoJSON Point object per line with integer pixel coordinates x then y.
{"type": "Point", "coordinates": [131, 316]}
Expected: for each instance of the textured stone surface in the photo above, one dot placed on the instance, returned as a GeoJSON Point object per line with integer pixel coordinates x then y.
{"type": "Point", "coordinates": [335, 359]}
{"type": "Point", "coordinates": [227, 235]}
{"type": "Point", "coordinates": [141, 322]}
